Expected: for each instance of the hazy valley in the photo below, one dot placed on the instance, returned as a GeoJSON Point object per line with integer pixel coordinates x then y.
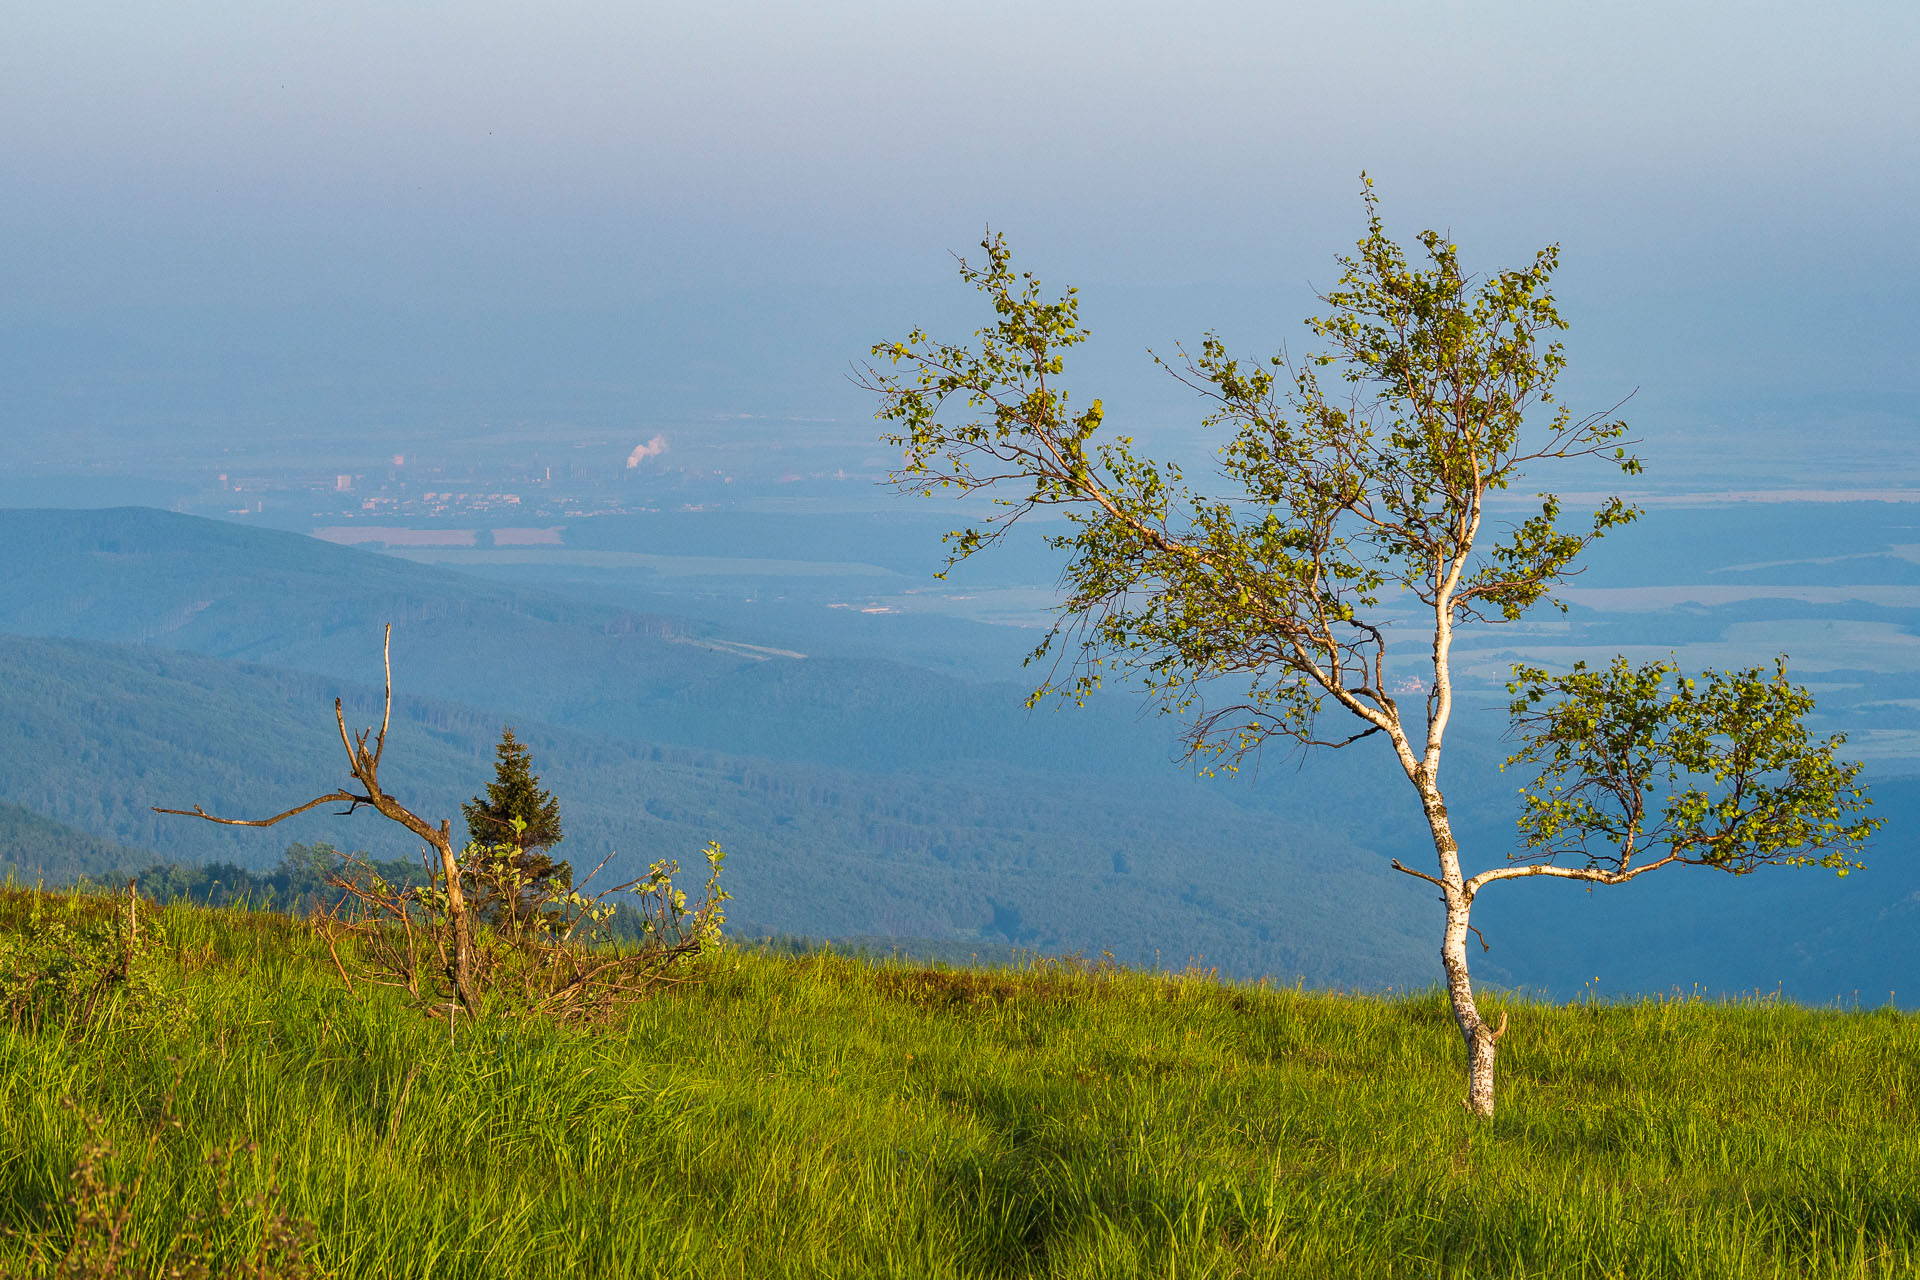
{"type": "Point", "coordinates": [164, 660]}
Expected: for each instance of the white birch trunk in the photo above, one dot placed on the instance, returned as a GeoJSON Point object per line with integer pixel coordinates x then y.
{"type": "Point", "coordinates": [1481, 1040]}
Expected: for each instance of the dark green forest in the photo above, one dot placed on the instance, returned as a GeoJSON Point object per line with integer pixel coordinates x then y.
{"type": "Point", "coordinates": [36, 847]}
{"type": "Point", "coordinates": [999, 855]}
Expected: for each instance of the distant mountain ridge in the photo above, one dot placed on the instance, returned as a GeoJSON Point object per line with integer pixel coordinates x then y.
{"type": "Point", "coordinates": [135, 575]}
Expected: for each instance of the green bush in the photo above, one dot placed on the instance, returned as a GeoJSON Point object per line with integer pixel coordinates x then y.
{"type": "Point", "coordinates": [77, 958]}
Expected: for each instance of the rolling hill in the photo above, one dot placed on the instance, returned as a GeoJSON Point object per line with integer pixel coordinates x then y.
{"type": "Point", "coordinates": [33, 847]}
{"type": "Point", "coordinates": [104, 732]}
{"type": "Point", "coordinates": [859, 797]}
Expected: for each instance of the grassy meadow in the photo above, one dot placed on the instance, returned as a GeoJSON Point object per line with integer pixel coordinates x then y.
{"type": "Point", "coordinates": [823, 1116]}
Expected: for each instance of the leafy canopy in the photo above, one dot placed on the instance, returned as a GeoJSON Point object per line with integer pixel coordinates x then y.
{"type": "Point", "coordinates": [1640, 767]}
{"type": "Point", "coordinates": [1357, 482]}
{"type": "Point", "coordinates": [1357, 485]}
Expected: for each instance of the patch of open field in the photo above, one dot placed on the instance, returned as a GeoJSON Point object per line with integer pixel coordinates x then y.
{"type": "Point", "coordinates": [817, 1115]}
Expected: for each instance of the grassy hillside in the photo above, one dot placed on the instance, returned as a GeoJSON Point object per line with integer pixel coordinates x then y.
{"type": "Point", "coordinates": [812, 1116]}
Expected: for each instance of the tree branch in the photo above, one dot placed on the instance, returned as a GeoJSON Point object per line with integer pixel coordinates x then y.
{"type": "Point", "coordinates": [1593, 875]}
{"type": "Point", "coordinates": [386, 714]}
{"type": "Point", "coordinates": [346, 741]}
{"type": "Point", "coordinates": [198, 812]}
{"type": "Point", "coordinates": [1397, 865]}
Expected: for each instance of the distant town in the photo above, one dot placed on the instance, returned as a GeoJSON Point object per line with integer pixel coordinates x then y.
{"type": "Point", "coordinates": [516, 491]}
{"type": "Point", "coordinates": [425, 492]}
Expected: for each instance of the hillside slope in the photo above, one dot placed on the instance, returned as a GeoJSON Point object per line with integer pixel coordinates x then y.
{"type": "Point", "coordinates": [780, 1116]}
{"type": "Point", "coordinates": [104, 732]}
{"type": "Point", "coordinates": [861, 797]}
{"type": "Point", "coordinates": [34, 847]}
{"type": "Point", "coordinates": [136, 575]}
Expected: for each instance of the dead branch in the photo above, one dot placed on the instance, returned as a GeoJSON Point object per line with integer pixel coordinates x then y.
{"type": "Point", "coordinates": [386, 715]}
{"type": "Point", "coordinates": [1397, 865]}
{"type": "Point", "coordinates": [549, 953]}
{"type": "Point", "coordinates": [548, 943]}
{"type": "Point", "coordinates": [331, 796]}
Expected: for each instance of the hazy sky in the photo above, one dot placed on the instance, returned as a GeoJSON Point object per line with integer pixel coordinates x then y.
{"type": "Point", "coordinates": [1733, 184]}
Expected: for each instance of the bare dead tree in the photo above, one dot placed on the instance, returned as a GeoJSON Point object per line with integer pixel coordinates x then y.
{"type": "Point", "coordinates": [363, 764]}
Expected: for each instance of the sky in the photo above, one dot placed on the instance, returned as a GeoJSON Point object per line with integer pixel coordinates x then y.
{"type": "Point", "coordinates": [237, 213]}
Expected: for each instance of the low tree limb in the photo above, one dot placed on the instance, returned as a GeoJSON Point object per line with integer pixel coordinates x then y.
{"type": "Point", "coordinates": [198, 812]}
{"type": "Point", "coordinates": [1398, 865]}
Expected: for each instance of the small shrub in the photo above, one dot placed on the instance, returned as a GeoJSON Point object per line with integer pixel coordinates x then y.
{"type": "Point", "coordinates": [78, 957]}
{"type": "Point", "coordinates": [553, 952]}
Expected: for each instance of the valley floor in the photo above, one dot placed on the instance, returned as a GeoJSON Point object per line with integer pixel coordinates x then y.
{"type": "Point", "coordinates": [819, 1116]}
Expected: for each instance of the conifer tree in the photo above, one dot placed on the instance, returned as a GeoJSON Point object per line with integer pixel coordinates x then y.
{"type": "Point", "coordinates": [515, 793]}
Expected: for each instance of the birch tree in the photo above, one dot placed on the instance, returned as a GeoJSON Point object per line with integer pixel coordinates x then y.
{"type": "Point", "coordinates": [1353, 516]}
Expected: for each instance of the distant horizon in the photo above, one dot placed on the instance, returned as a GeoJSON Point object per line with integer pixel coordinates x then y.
{"type": "Point", "coordinates": [340, 224]}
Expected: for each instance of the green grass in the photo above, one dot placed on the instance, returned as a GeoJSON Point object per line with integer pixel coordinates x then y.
{"type": "Point", "coordinates": [817, 1116]}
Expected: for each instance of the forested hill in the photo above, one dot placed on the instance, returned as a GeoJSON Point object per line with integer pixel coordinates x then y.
{"type": "Point", "coordinates": [858, 797]}
{"type": "Point", "coordinates": [1049, 861]}
{"type": "Point", "coordinates": [150, 577]}
{"type": "Point", "coordinates": [34, 847]}
{"type": "Point", "coordinates": [180, 582]}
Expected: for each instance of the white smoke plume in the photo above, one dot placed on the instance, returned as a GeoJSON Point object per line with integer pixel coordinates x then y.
{"type": "Point", "coordinates": [651, 449]}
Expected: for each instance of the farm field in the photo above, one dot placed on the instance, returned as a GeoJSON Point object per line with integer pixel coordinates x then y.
{"type": "Point", "coordinates": [825, 1116]}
